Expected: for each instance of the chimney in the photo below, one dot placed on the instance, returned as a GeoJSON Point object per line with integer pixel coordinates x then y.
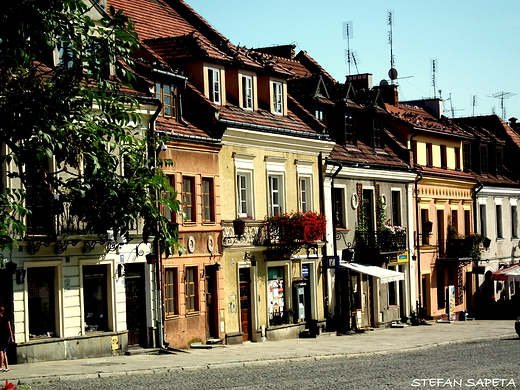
{"type": "Point", "coordinates": [360, 81]}
{"type": "Point", "coordinates": [389, 94]}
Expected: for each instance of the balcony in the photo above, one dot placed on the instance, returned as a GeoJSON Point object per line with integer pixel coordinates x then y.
{"type": "Point", "coordinates": [463, 250]}
{"type": "Point", "coordinates": [380, 242]}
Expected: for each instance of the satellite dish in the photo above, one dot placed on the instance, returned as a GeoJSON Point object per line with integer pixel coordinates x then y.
{"type": "Point", "coordinates": [392, 73]}
{"type": "Point", "coordinates": [383, 83]}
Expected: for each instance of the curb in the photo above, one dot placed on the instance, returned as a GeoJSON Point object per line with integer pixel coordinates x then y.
{"type": "Point", "coordinates": [248, 363]}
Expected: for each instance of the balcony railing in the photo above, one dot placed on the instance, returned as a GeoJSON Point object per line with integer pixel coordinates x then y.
{"type": "Point", "coordinates": [380, 241]}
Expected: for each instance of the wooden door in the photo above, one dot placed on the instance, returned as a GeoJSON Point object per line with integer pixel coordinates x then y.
{"type": "Point", "coordinates": [135, 305]}
{"type": "Point", "coordinates": [245, 303]}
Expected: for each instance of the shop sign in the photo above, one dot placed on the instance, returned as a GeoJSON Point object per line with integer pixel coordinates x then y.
{"type": "Point", "coordinates": [399, 258]}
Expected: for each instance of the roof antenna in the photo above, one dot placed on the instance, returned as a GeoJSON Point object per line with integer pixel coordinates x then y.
{"type": "Point", "coordinates": [434, 78]}
{"type": "Point", "coordinates": [392, 73]}
{"type": "Point", "coordinates": [349, 54]}
{"type": "Point", "coordinates": [502, 95]}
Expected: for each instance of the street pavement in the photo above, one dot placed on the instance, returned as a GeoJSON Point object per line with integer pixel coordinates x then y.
{"type": "Point", "coordinates": [325, 346]}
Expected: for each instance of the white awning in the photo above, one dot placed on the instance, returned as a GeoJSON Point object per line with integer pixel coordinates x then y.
{"type": "Point", "coordinates": [384, 275]}
{"type": "Point", "coordinates": [508, 274]}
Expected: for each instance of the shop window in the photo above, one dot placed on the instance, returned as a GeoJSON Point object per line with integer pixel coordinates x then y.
{"type": "Point", "coordinates": [170, 292]}
{"type": "Point", "coordinates": [41, 296]}
{"type": "Point", "coordinates": [95, 298]}
{"type": "Point", "coordinates": [394, 288]}
{"type": "Point", "coordinates": [275, 295]}
{"type": "Point", "coordinates": [192, 304]}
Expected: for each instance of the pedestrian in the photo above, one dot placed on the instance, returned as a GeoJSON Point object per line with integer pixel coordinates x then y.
{"type": "Point", "coordinates": [6, 337]}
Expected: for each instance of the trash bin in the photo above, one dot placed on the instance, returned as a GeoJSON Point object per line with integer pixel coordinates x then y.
{"type": "Point", "coordinates": [463, 315]}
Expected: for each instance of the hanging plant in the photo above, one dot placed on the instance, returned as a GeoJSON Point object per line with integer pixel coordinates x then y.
{"type": "Point", "coordinates": [296, 227]}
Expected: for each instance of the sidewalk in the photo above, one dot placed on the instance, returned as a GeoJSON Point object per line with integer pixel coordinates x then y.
{"type": "Point", "coordinates": [326, 346]}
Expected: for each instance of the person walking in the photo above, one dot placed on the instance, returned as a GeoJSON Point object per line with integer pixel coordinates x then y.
{"type": "Point", "coordinates": [6, 337]}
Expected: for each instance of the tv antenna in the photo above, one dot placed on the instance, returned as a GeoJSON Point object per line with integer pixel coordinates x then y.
{"type": "Point", "coordinates": [392, 73]}
{"type": "Point", "coordinates": [502, 96]}
{"type": "Point", "coordinates": [474, 103]}
{"type": "Point", "coordinates": [451, 107]}
{"type": "Point", "coordinates": [350, 56]}
{"type": "Point", "coordinates": [434, 77]}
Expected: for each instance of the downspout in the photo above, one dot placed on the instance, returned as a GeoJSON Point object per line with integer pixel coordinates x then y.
{"type": "Point", "coordinates": [337, 293]}
{"type": "Point", "coordinates": [476, 190]}
{"type": "Point", "coordinates": [156, 245]}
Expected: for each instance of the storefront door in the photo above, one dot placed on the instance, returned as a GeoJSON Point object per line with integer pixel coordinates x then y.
{"type": "Point", "coordinates": [211, 302]}
{"type": "Point", "coordinates": [135, 304]}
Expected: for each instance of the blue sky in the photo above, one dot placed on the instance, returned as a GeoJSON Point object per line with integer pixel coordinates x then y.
{"type": "Point", "coordinates": [474, 43]}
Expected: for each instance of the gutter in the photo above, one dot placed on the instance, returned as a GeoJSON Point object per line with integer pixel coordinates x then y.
{"type": "Point", "coordinates": [274, 129]}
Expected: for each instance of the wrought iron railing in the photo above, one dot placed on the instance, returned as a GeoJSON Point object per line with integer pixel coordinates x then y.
{"type": "Point", "coordinates": [380, 241]}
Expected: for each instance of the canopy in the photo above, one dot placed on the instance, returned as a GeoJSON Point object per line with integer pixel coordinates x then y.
{"type": "Point", "coordinates": [384, 275]}
{"type": "Point", "coordinates": [508, 274]}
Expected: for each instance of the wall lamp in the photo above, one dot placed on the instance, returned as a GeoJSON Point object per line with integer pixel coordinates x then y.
{"type": "Point", "coordinates": [239, 227]}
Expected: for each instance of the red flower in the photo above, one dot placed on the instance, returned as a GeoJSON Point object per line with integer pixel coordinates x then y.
{"type": "Point", "coordinates": [8, 386]}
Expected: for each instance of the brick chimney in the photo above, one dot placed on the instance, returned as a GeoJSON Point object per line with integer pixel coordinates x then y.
{"type": "Point", "coordinates": [389, 94]}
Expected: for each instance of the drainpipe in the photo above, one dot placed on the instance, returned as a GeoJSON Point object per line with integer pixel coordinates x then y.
{"type": "Point", "coordinates": [337, 293]}
{"type": "Point", "coordinates": [417, 246]}
{"type": "Point", "coordinates": [156, 245]}
{"type": "Point", "coordinates": [475, 191]}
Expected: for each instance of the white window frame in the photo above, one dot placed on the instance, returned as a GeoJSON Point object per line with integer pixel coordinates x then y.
{"type": "Point", "coordinates": [247, 92]}
{"type": "Point", "coordinates": [278, 98]}
{"type": "Point", "coordinates": [304, 170]}
{"type": "Point", "coordinates": [244, 167]}
{"type": "Point", "coordinates": [214, 85]}
{"type": "Point", "coordinates": [275, 167]}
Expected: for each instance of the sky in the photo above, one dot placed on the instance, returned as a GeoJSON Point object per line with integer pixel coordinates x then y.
{"type": "Point", "coordinates": [474, 43]}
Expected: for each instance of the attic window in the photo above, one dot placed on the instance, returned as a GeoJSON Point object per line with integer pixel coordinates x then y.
{"type": "Point", "coordinates": [483, 159]}
{"type": "Point", "coordinates": [378, 134]}
{"type": "Point", "coordinates": [214, 86]}
{"type": "Point", "coordinates": [499, 161]}
{"type": "Point", "coordinates": [278, 98]}
{"type": "Point", "coordinates": [247, 92]}
{"type": "Point", "coordinates": [166, 94]}
{"type": "Point", "coordinates": [320, 115]}
{"type": "Point", "coordinates": [350, 135]}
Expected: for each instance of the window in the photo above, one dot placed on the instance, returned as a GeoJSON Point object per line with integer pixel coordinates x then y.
{"type": "Point", "coordinates": [429, 155]}
{"type": "Point", "coordinates": [191, 289]}
{"type": "Point", "coordinates": [457, 159]}
{"type": "Point", "coordinates": [499, 161]}
{"type": "Point", "coordinates": [244, 195]}
{"type": "Point", "coordinates": [208, 214]}
{"type": "Point", "coordinates": [275, 194]}
{"type": "Point", "coordinates": [467, 222]}
{"type": "Point", "coordinates": [444, 157]}
{"type": "Point", "coordinates": [304, 184]}
{"type": "Point", "coordinates": [455, 219]}
{"type": "Point", "coordinates": [368, 209]}
{"type": "Point", "coordinates": [277, 98]}
{"type": "Point", "coordinates": [425, 217]}
{"type": "Point", "coordinates": [483, 159]}
{"type": "Point", "coordinates": [166, 211]}
{"type": "Point", "coordinates": [378, 134]}
{"type": "Point", "coordinates": [170, 291]}
{"type": "Point", "coordinates": [482, 212]}
{"type": "Point", "coordinates": [320, 115]}
{"type": "Point", "coordinates": [166, 94]}
{"type": "Point", "coordinates": [414, 151]}
{"type": "Point", "coordinates": [95, 298]}
{"type": "Point", "coordinates": [498, 209]}
{"type": "Point", "coordinates": [466, 156]}
{"type": "Point", "coordinates": [339, 210]}
{"type": "Point", "coordinates": [65, 55]}
{"type": "Point", "coordinates": [41, 294]}
{"type": "Point", "coordinates": [188, 197]}
{"type": "Point", "coordinates": [247, 92]}
{"type": "Point", "coordinates": [395, 288]}
{"type": "Point", "coordinates": [214, 87]}
{"type": "Point", "coordinates": [396, 208]}
{"type": "Point", "coordinates": [514, 222]}
{"type": "Point", "coordinates": [441, 232]}
{"type": "Point", "coordinates": [350, 135]}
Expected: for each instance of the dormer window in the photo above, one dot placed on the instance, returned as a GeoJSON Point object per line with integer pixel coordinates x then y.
{"type": "Point", "coordinates": [350, 135]}
{"type": "Point", "coordinates": [499, 161]}
{"type": "Point", "coordinates": [166, 94]}
{"type": "Point", "coordinates": [483, 159]}
{"type": "Point", "coordinates": [278, 98]}
{"type": "Point", "coordinates": [320, 115]}
{"type": "Point", "coordinates": [247, 92]}
{"type": "Point", "coordinates": [214, 86]}
{"type": "Point", "coordinates": [378, 134]}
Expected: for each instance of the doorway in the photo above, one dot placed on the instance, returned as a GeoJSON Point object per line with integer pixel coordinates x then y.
{"type": "Point", "coordinates": [135, 305]}
{"type": "Point", "coordinates": [211, 302]}
{"type": "Point", "coordinates": [245, 303]}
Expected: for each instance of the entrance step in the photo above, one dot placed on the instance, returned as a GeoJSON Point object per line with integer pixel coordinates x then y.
{"type": "Point", "coordinates": [205, 346]}
{"type": "Point", "coordinates": [214, 341]}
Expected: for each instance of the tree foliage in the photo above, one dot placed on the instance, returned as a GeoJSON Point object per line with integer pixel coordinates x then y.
{"type": "Point", "coordinates": [70, 129]}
